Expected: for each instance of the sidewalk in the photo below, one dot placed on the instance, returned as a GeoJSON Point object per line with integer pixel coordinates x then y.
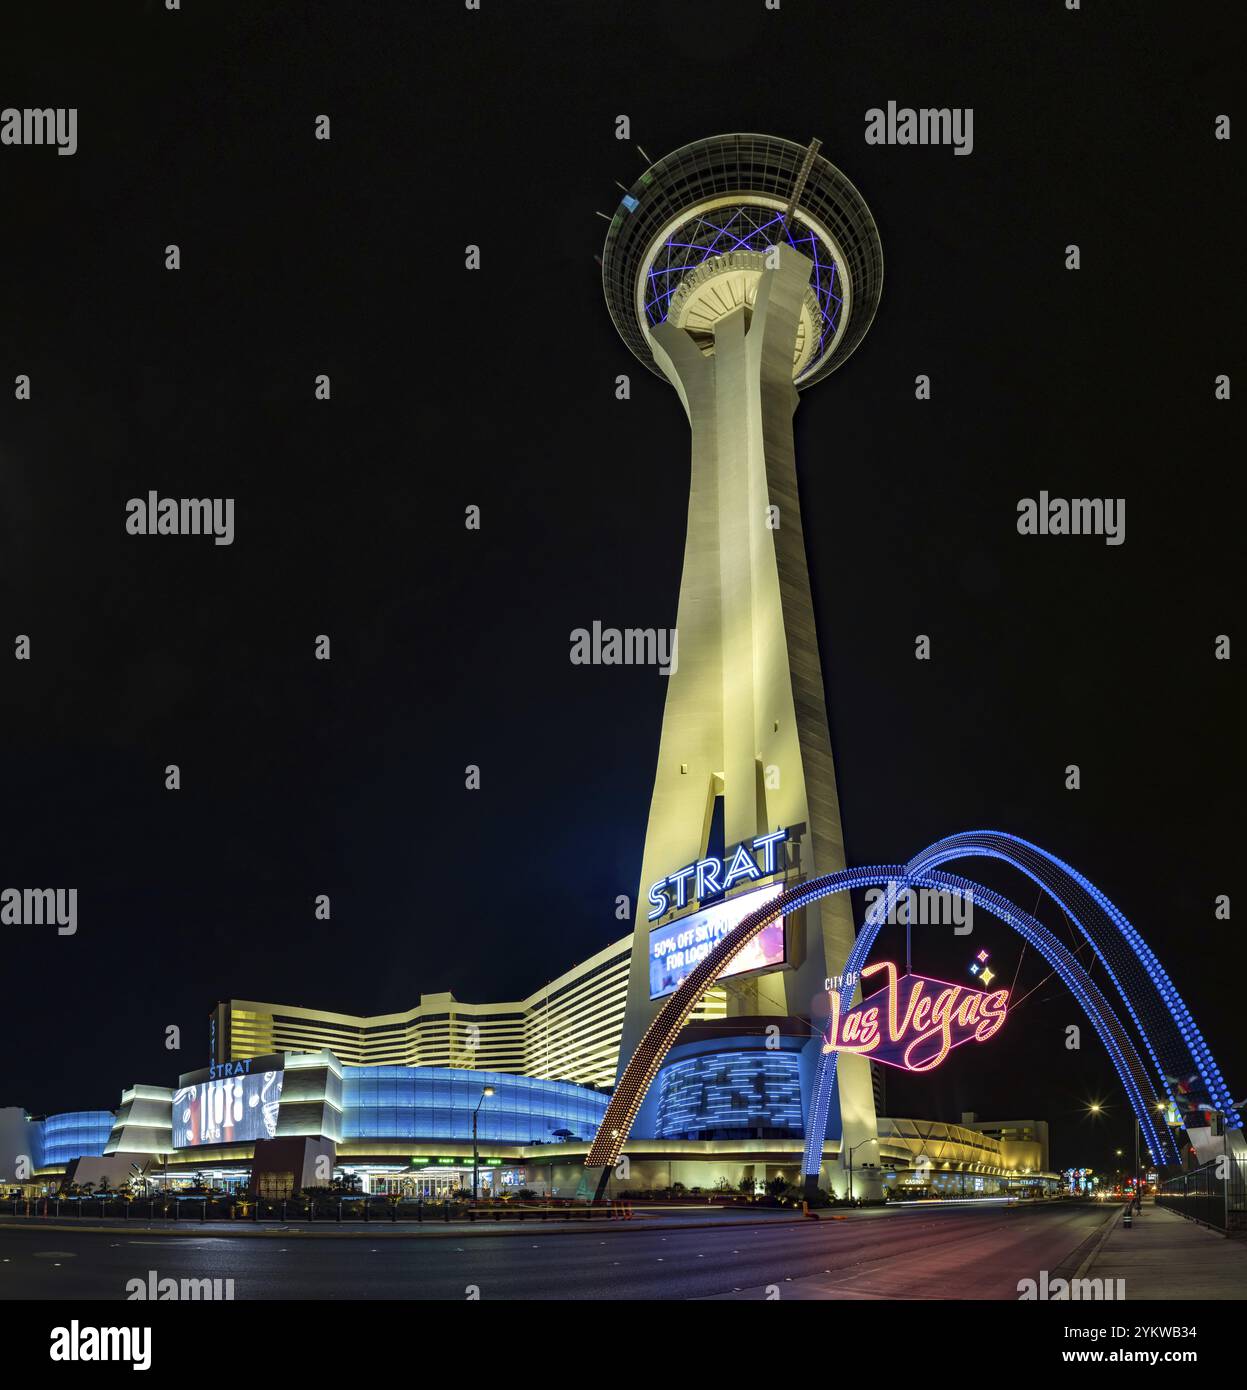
{"type": "Point", "coordinates": [1165, 1256]}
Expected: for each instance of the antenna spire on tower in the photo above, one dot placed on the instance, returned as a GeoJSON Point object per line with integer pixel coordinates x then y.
{"type": "Point", "coordinates": [803, 173]}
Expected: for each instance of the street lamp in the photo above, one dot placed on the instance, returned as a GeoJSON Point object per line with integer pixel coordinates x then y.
{"type": "Point", "coordinates": [1095, 1109]}
{"type": "Point", "coordinates": [852, 1151]}
{"type": "Point", "coordinates": [485, 1091]}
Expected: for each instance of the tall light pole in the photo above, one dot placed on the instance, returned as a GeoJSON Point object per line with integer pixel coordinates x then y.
{"type": "Point", "coordinates": [1095, 1108]}
{"type": "Point", "coordinates": [485, 1091]}
{"type": "Point", "coordinates": [1162, 1111]}
{"type": "Point", "coordinates": [852, 1151]}
{"type": "Point", "coordinates": [1138, 1187]}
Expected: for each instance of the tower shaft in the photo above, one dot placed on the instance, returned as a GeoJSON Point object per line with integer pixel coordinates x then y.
{"type": "Point", "coordinates": [745, 714]}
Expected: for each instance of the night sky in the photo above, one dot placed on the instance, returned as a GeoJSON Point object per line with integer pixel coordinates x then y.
{"type": "Point", "coordinates": [497, 388]}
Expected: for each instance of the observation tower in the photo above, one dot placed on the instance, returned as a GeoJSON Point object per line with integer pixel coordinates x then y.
{"type": "Point", "coordinates": [743, 269]}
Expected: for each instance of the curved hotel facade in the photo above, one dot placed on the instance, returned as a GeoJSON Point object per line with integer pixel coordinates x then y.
{"type": "Point", "coordinates": [569, 1029]}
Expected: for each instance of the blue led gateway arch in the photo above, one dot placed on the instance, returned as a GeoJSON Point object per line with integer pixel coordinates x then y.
{"type": "Point", "coordinates": [1129, 1066]}
{"type": "Point", "coordinates": [921, 872]}
{"type": "Point", "coordinates": [1175, 1045]}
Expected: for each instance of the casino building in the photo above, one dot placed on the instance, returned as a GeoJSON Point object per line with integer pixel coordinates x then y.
{"type": "Point", "coordinates": [400, 1112]}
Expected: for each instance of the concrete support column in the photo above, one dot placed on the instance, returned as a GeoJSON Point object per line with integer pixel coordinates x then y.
{"type": "Point", "coordinates": [746, 708]}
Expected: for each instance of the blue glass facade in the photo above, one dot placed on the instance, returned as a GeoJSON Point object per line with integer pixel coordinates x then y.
{"type": "Point", "coordinates": [437, 1103]}
{"type": "Point", "coordinates": [723, 1095]}
{"type": "Point", "coordinates": [59, 1139]}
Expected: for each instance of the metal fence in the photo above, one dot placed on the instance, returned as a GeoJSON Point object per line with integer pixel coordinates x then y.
{"type": "Point", "coordinates": [201, 1209]}
{"type": "Point", "coordinates": [1214, 1194]}
{"type": "Point", "coordinates": [230, 1209]}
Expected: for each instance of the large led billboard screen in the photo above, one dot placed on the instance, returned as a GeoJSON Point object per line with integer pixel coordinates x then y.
{"type": "Point", "coordinates": [233, 1109]}
{"type": "Point", "coordinates": [676, 948]}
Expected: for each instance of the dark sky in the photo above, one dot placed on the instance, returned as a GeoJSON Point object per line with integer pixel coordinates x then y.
{"type": "Point", "coordinates": [497, 388]}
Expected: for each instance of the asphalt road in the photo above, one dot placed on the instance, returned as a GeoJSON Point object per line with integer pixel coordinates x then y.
{"type": "Point", "coordinates": [956, 1252]}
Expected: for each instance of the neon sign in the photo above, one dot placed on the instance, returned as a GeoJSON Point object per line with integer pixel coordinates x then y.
{"type": "Point", "coordinates": [914, 1022]}
{"type": "Point", "coordinates": [710, 878]}
{"type": "Point", "coordinates": [978, 966]}
{"type": "Point", "coordinates": [240, 1068]}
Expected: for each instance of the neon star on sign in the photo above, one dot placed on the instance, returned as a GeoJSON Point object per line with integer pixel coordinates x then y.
{"type": "Point", "coordinates": [914, 1022]}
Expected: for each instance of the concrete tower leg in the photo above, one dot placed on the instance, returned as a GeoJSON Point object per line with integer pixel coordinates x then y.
{"type": "Point", "coordinates": [745, 714]}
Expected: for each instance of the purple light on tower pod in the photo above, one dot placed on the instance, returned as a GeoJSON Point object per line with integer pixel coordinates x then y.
{"type": "Point", "coordinates": [742, 195]}
{"type": "Point", "coordinates": [745, 227]}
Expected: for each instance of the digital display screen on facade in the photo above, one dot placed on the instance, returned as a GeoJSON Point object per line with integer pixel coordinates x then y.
{"type": "Point", "coordinates": [233, 1109]}
{"type": "Point", "coordinates": [676, 948]}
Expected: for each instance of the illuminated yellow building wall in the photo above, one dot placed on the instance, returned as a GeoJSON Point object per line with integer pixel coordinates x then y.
{"type": "Point", "coordinates": [569, 1030]}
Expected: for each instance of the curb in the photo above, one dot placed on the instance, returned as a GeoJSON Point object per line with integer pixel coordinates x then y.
{"type": "Point", "coordinates": [1107, 1230]}
{"type": "Point", "coordinates": [188, 1229]}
